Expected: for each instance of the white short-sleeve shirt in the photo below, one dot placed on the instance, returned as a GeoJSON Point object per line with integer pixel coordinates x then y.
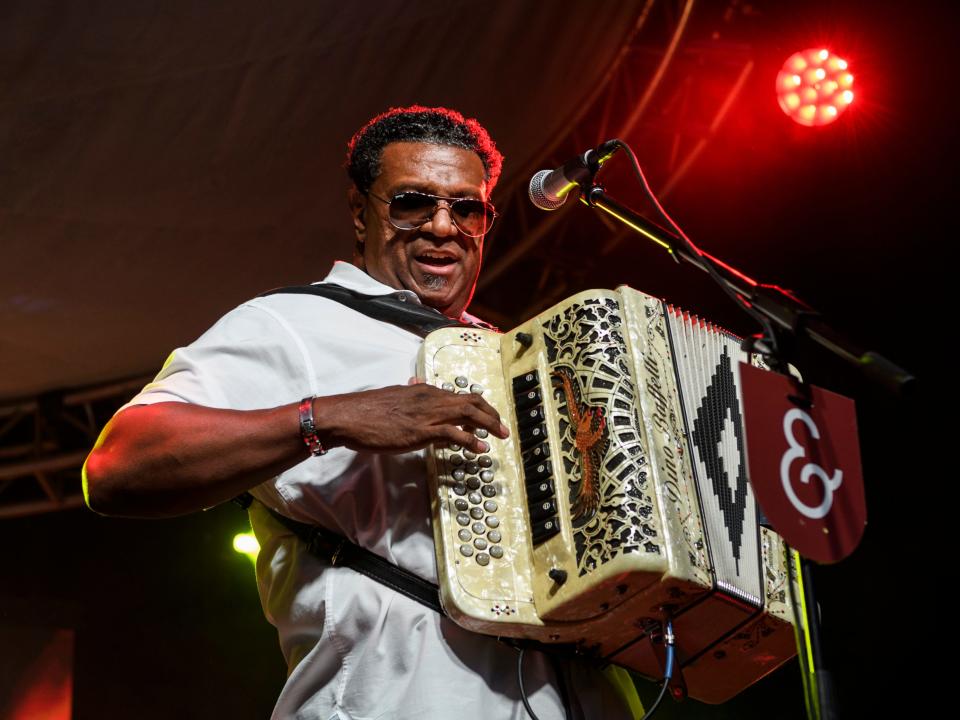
{"type": "Point", "coordinates": [355, 650]}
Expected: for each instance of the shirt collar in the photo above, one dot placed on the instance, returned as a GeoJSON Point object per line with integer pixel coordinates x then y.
{"type": "Point", "coordinates": [351, 277]}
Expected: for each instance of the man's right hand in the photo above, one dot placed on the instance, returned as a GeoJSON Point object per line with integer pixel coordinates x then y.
{"type": "Point", "coordinates": [173, 458]}
{"type": "Point", "coordinates": [402, 418]}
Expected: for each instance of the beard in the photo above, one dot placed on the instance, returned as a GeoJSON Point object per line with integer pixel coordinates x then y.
{"type": "Point", "coordinates": [434, 282]}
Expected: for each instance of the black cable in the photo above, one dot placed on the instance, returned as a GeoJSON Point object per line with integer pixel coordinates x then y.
{"type": "Point", "coordinates": [564, 695]}
{"type": "Point", "coordinates": [523, 692]}
{"type": "Point", "coordinates": [693, 249]}
{"type": "Point", "coordinates": [656, 703]}
{"type": "Point", "coordinates": [671, 654]}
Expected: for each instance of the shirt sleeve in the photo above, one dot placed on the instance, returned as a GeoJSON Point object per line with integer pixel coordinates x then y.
{"type": "Point", "coordinates": [250, 359]}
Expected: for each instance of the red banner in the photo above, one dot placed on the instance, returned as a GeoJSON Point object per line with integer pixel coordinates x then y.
{"type": "Point", "coordinates": [804, 460]}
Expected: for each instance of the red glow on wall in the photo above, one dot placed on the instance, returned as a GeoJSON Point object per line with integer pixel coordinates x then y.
{"type": "Point", "coordinates": [814, 87]}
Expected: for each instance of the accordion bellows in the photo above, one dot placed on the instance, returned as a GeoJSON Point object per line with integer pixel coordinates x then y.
{"type": "Point", "coordinates": [620, 498]}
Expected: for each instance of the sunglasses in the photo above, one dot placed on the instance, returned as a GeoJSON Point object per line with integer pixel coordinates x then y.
{"type": "Point", "coordinates": [409, 210]}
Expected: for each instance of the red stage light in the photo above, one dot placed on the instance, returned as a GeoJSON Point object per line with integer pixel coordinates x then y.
{"type": "Point", "coordinates": [813, 87]}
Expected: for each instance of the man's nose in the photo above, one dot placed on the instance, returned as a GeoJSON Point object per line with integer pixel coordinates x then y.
{"type": "Point", "coordinates": [441, 224]}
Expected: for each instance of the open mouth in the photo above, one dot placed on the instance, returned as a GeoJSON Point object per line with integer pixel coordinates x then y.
{"type": "Point", "coordinates": [435, 261]}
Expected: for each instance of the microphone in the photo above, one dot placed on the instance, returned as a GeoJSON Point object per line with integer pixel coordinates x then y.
{"type": "Point", "coordinates": [549, 188]}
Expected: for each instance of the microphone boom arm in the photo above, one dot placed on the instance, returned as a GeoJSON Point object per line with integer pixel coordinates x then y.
{"type": "Point", "coordinates": [776, 306]}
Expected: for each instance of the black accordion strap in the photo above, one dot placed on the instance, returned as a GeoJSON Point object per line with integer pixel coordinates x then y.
{"type": "Point", "coordinates": [340, 552]}
{"type": "Point", "coordinates": [411, 316]}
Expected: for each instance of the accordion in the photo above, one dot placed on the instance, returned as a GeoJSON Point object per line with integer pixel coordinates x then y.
{"type": "Point", "coordinates": [621, 497]}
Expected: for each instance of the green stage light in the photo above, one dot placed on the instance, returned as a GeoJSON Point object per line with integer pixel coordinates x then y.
{"type": "Point", "coordinates": [247, 544]}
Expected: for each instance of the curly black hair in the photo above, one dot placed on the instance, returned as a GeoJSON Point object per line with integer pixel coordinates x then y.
{"type": "Point", "coordinates": [416, 123]}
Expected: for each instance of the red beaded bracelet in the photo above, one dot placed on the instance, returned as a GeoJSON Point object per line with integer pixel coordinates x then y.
{"type": "Point", "coordinates": [308, 430]}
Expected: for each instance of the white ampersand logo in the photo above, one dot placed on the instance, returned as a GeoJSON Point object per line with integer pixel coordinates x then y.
{"type": "Point", "coordinates": [797, 451]}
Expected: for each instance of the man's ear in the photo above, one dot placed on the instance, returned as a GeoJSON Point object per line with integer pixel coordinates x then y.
{"type": "Point", "coordinates": [358, 208]}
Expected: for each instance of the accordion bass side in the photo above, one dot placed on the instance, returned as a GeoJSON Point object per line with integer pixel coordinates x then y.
{"type": "Point", "coordinates": [620, 498]}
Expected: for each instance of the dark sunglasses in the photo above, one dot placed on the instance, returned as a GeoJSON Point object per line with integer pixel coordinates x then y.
{"type": "Point", "coordinates": [409, 210]}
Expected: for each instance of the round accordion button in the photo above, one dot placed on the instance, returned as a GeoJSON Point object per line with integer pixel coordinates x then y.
{"type": "Point", "coordinates": [464, 535]}
{"type": "Point", "coordinates": [466, 550]}
{"type": "Point", "coordinates": [483, 558]}
{"type": "Point", "coordinates": [462, 382]}
{"type": "Point", "coordinates": [463, 519]}
{"type": "Point", "coordinates": [496, 551]}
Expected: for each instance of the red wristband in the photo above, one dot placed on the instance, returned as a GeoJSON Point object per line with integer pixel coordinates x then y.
{"type": "Point", "coordinates": [308, 430]}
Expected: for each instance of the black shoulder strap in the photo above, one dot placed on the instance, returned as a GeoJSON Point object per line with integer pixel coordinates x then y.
{"type": "Point", "coordinates": [415, 318]}
{"type": "Point", "coordinates": [340, 552]}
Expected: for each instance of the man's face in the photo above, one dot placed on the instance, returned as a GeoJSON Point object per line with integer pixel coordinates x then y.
{"type": "Point", "coordinates": [436, 261]}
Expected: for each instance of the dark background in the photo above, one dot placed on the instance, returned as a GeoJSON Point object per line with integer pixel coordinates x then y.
{"type": "Point", "coordinates": [855, 217]}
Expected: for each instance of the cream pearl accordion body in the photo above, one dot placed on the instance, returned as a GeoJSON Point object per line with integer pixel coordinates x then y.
{"type": "Point", "coordinates": [620, 498]}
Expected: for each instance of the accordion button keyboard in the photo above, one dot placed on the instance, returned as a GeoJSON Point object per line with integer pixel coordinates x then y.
{"type": "Point", "coordinates": [490, 506]}
{"type": "Point", "coordinates": [488, 491]}
{"type": "Point", "coordinates": [485, 461]}
{"type": "Point", "coordinates": [494, 537]}
{"type": "Point", "coordinates": [478, 528]}
{"type": "Point", "coordinates": [483, 558]}
{"type": "Point", "coordinates": [459, 488]}
{"type": "Point", "coordinates": [460, 504]}
{"type": "Point", "coordinates": [466, 550]}
{"type": "Point", "coordinates": [486, 475]}
{"type": "Point", "coordinates": [464, 535]}
{"type": "Point", "coordinates": [473, 483]}
{"type": "Point", "coordinates": [476, 513]}
{"type": "Point", "coordinates": [458, 474]}
{"type": "Point", "coordinates": [496, 551]}
{"type": "Point", "coordinates": [492, 521]}
{"type": "Point", "coordinates": [463, 519]}
{"type": "Point", "coordinates": [479, 543]}
{"type": "Point", "coordinates": [473, 497]}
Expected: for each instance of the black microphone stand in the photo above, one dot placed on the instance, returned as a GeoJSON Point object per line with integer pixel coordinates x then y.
{"type": "Point", "coordinates": [785, 319]}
